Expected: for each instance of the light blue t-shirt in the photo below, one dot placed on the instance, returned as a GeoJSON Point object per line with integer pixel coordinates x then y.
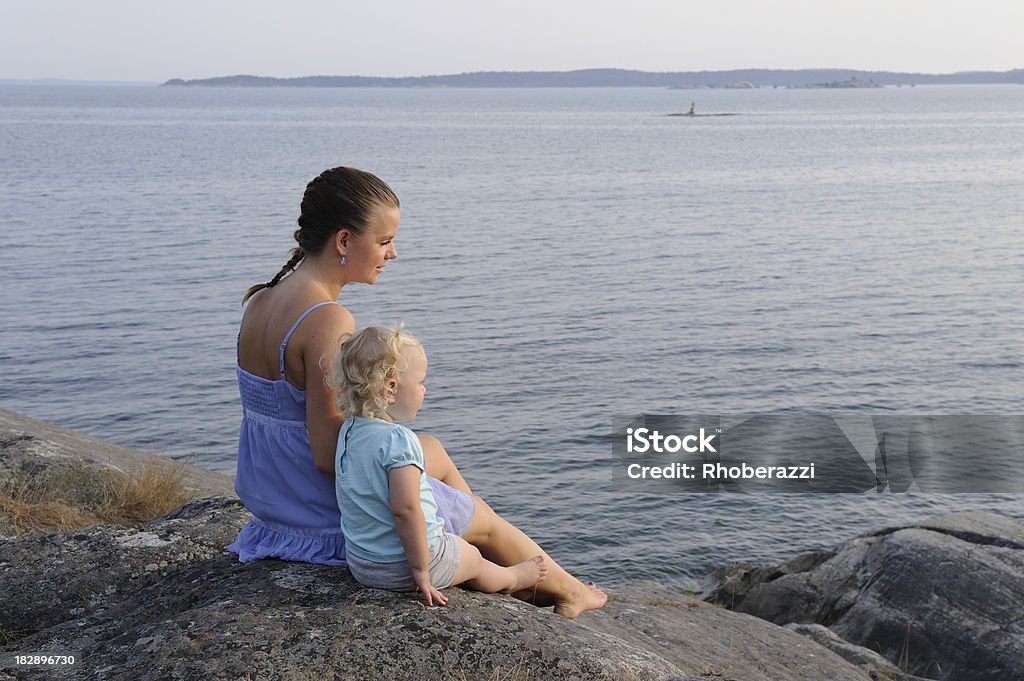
{"type": "Point", "coordinates": [367, 450]}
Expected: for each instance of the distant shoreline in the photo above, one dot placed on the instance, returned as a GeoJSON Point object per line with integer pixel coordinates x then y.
{"type": "Point", "coordinates": [584, 78]}
{"type": "Point", "coordinates": [743, 79]}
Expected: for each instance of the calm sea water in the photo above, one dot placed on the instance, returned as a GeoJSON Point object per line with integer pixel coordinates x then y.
{"type": "Point", "coordinates": [567, 256]}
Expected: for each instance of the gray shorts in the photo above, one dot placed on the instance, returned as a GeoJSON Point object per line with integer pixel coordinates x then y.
{"type": "Point", "coordinates": [444, 561]}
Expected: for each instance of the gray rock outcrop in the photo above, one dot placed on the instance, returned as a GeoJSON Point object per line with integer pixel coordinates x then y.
{"type": "Point", "coordinates": [47, 579]}
{"type": "Point", "coordinates": [163, 607]}
{"type": "Point", "coordinates": [944, 597]}
{"type": "Point", "coordinates": [165, 601]}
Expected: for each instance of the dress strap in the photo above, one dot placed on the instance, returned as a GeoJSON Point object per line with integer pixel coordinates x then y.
{"type": "Point", "coordinates": [284, 343]}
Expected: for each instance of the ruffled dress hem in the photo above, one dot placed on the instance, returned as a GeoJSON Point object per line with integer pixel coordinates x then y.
{"type": "Point", "coordinates": [262, 539]}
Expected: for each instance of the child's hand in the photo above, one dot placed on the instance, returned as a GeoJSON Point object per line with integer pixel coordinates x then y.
{"type": "Point", "coordinates": [421, 578]}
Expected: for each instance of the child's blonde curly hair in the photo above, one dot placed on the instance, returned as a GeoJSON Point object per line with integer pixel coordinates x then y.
{"type": "Point", "coordinates": [365, 362]}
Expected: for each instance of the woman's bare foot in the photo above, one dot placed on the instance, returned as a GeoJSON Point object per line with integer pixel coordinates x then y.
{"type": "Point", "coordinates": [528, 573]}
{"type": "Point", "coordinates": [584, 597]}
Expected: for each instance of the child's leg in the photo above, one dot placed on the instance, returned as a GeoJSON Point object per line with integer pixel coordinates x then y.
{"type": "Point", "coordinates": [483, 575]}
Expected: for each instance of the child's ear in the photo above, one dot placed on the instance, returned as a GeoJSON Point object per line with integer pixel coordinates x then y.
{"type": "Point", "coordinates": [389, 390]}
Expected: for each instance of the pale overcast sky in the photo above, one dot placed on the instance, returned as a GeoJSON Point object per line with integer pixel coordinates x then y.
{"type": "Point", "coordinates": [142, 40]}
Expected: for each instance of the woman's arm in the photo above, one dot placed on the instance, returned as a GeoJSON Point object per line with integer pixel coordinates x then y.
{"type": "Point", "coordinates": [404, 487]}
{"type": "Point", "coordinates": [319, 345]}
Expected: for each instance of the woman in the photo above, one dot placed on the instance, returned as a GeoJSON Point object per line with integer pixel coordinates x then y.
{"type": "Point", "coordinates": [290, 426]}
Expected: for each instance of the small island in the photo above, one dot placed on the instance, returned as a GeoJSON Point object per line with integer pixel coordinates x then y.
{"type": "Point", "coordinates": [851, 83]}
{"type": "Point", "coordinates": [739, 85]}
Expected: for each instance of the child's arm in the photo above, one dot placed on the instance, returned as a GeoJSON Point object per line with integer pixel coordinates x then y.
{"type": "Point", "coordinates": [404, 487]}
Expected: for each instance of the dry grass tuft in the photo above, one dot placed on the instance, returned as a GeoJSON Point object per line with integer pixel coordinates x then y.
{"type": "Point", "coordinates": [146, 493]}
{"type": "Point", "coordinates": [517, 672]}
{"type": "Point", "coordinates": [8, 636]}
{"type": "Point", "coordinates": [18, 516]}
{"type": "Point", "coordinates": [81, 496]}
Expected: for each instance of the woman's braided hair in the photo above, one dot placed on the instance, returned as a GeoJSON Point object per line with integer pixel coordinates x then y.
{"type": "Point", "coordinates": [336, 199]}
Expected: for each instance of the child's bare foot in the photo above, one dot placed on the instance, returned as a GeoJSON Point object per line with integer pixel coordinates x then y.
{"type": "Point", "coordinates": [528, 573]}
{"type": "Point", "coordinates": [584, 597]}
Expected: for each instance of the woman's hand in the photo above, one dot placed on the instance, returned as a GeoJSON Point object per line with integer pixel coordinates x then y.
{"type": "Point", "coordinates": [421, 578]}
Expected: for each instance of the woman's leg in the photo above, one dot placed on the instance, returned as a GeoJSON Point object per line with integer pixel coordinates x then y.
{"type": "Point", "coordinates": [505, 544]}
{"type": "Point", "coordinates": [439, 465]}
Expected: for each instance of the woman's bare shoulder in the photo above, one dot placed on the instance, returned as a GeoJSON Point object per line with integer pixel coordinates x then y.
{"type": "Point", "coordinates": [322, 331]}
{"type": "Point", "coordinates": [332, 320]}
